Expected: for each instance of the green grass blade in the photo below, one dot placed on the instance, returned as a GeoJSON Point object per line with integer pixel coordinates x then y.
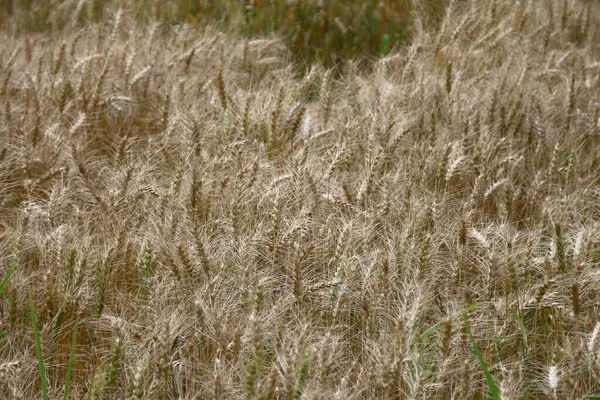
{"type": "Point", "coordinates": [521, 327]}
{"type": "Point", "coordinates": [11, 270]}
{"type": "Point", "coordinates": [38, 347]}
{"type": "Point", "coordinates": [435, 327]}
{"type": "Point", "coordinates": [148, 257]}
{"type": "Point", "coordinates": [384, 44]}
{"type": "Point", "coordinates": [71, 362]}
{"type": "Point", "coordinates": [92, 384]}
{"type": "Point", "coordinates": [488, 377]}
{"type": "Point", "coordinates": [3, 335]}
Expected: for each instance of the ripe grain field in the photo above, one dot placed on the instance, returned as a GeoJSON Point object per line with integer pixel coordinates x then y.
{"type": "Point", "coordinates": [191, 211]}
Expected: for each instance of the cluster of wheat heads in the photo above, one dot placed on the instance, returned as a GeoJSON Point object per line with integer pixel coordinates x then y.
{"type": "Point", "coordinates": [184, 218]}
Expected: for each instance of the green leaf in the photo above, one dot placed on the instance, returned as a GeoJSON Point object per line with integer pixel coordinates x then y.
{"type": "Point", "coordinates": [11, 270]}
{"type": "Point", "coordinates": [38, 347]}
{"type": "Point", "coordinates": [383, 46]}
{"type": "Point", "coordinates": [488, 377]}
{"type": "Point", "coordinates": [3, 335]}
{"type": "Point", "coordinates": [148, 257]}
{"type": "Point", "coordinates": [521, 327]}
{"type": "Point", "coordinates": [435, 327]}
{"type": "Point", "coordinates": [71, 362]}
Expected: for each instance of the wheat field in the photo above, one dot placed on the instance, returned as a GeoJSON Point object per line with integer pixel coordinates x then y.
{"type": "Point", "coordinates": [185, 213]}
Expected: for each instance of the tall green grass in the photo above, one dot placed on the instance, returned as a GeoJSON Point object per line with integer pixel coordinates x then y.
{"type": "Point", "coordinates": [326, 31]}
{"type": "Point", "coordinates": [486, 371]}
{"type": "Point", "coordinates": [329, 31]}
{"type": "Point", "coordinates": [38, 348]}
{"type": "Point", "coordinates": [71, 363]}
{"type": "Point", "coordinates": [11, 270]}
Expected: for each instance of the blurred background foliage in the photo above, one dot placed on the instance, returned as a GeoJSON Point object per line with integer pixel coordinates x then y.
{"type": "Point", "coordinates": [325, 31]}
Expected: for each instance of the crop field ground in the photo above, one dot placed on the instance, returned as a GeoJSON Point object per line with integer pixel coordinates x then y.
{"type": "Point", "coordinates": [249, 201]}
